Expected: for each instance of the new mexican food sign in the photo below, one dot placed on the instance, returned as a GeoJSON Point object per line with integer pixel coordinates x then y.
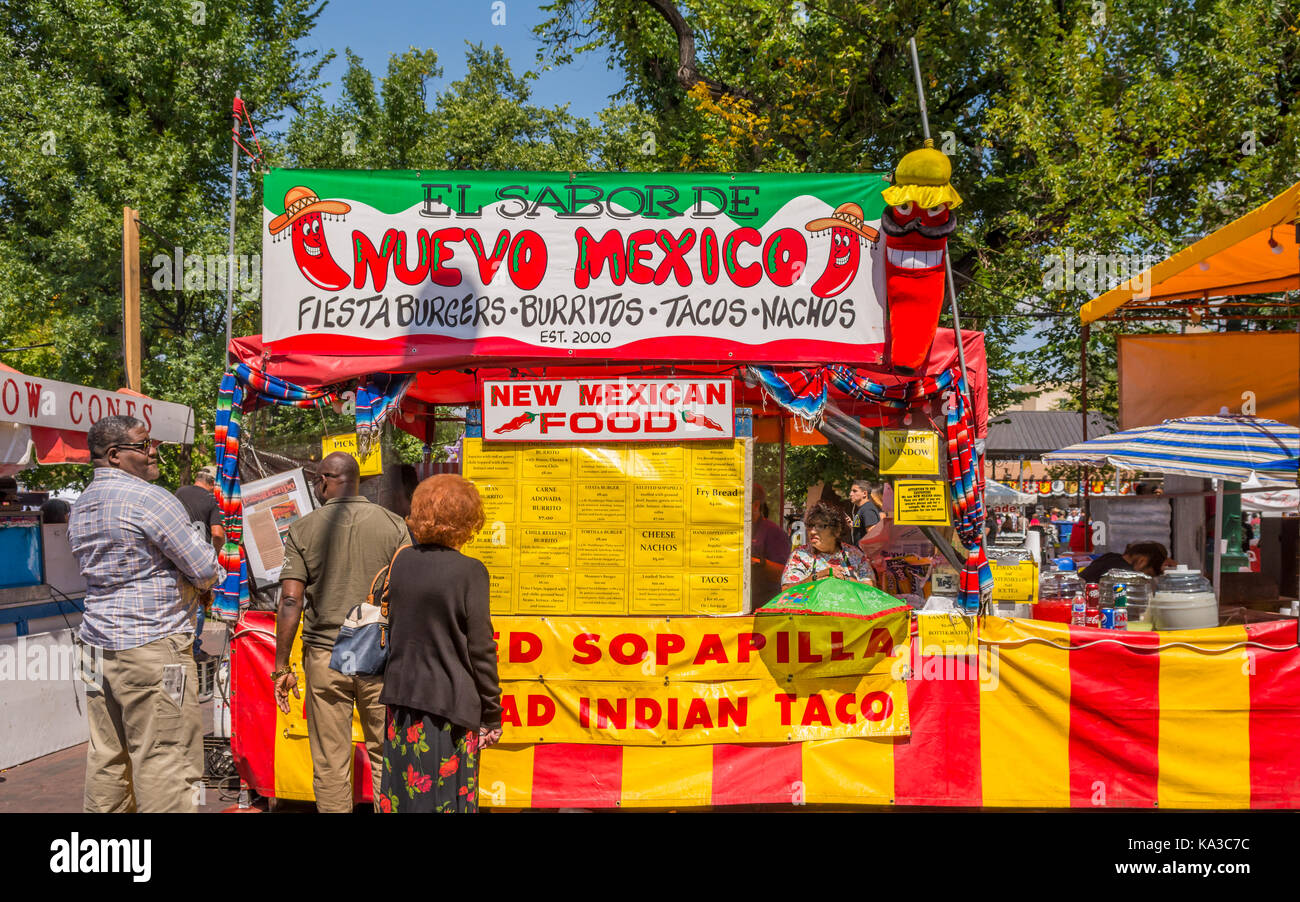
{"type": "Point", "coordinates": [659, 266]}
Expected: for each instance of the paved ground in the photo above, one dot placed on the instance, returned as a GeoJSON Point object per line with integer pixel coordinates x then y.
{"type": "Point", "coordinates": [55, 782]}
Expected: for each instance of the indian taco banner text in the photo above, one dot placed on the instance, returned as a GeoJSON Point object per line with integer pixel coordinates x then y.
{"type": "Point", "coordinates": [776, 647]}
{"type": "Point", "coordinates": [568, 410]}
{"type": "Point", "coordinates": [623, 265]}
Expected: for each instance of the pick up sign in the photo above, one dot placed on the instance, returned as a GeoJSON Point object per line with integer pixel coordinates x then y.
{"type": "Point", "coordinates": [608, 410]}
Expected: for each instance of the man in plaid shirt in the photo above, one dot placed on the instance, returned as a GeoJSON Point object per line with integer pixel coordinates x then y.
{"type": "Point", "coordinates": [144, 567]}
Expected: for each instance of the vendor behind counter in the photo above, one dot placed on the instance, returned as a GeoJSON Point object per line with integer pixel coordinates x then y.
{"type": "Point", "coordinates": [1144, 557]}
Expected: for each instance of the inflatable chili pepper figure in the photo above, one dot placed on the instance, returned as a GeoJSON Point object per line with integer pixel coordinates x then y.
{"type": "Point", "coordinates": [916, 224]}
{"type": "Point", "coordinates": [305, 212]}
{"type": "Point", "coordinates": [848, 233]}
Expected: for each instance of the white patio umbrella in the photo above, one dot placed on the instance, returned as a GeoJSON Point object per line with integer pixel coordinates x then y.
{"type": "Point", "coordinates": [997, 493]}
{"type": "Point", "coordinates": [1223, 448]}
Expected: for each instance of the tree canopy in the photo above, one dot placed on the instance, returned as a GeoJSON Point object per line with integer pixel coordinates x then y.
{"type": "Point", "coordinates": [1097, 129]}
{"type": "Point", "coordinates": [1121, 130]}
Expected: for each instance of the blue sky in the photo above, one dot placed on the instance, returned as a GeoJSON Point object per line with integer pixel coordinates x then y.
{"type": "Point", "coordinates": [376, 31]}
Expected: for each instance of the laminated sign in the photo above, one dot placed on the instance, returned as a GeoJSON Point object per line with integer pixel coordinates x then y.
{"type": "Point", "coordinates": [373, 464]}
{"type": "Point", "coordinates": [1017, 583]}
{"type": "Point", "coordinates": [921, 502]}
{"type": "Point", "coordinates": [670, 266]}
{"type": "Point", "coordinates": [909, 452]}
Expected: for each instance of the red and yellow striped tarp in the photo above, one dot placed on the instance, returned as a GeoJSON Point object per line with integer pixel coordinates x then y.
{"type": "Point", "coordinates": [1045, 716]}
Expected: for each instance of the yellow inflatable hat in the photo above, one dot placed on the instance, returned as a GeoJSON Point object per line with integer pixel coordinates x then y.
{"type": "Point", "coordinates": [923, 177]}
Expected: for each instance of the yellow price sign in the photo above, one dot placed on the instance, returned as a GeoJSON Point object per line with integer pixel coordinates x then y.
{"type": "Point", "coordinates": [921, 502]}
{"type": "Point", "coordinates": [1015, 583]}
{"type": "Point", "coordinates": [373, 465]}
{"type": "Point", "coordinates": [943, 633]}
{"type": "Point", "coordinates": [909, 452]}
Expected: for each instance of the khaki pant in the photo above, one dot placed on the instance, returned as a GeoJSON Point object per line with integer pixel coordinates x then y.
{"type": "Point", "coordinates": [330, 697]}
{"type": "Point", "coordinates": [146, 751]}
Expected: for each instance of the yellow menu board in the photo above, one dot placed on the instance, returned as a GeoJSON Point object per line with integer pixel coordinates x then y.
{"type": "Point", "coordinates": [646, 528]}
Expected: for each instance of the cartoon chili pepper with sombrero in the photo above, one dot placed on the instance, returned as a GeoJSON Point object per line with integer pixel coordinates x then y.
{"type": "Point", "coordinates": [916, 224]}
{"type": "Point", "coordinates": [305, 212]}
{"type": "Point", "coordinates": [847, 233]}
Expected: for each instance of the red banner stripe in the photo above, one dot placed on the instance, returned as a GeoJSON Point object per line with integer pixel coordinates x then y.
{"type": "Point", "coordinates": [571, 775]}
{"type": "Point", "coordinates": [757, 774]}
{"type": "Point", "coordinates": [1274, 717]}
{"type": "Point", "coordinates": [253, 720]}
{"type": "Point", "coordinates": [939, 764]}
{"type": "Point", "coordinates": [1114, 720]}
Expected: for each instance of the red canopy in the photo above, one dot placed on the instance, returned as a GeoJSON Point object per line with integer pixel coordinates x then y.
{"type": "Point", "coordinates": [446, 376]}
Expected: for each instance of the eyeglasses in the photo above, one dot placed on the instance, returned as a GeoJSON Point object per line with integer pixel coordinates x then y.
{"type": "Point", "coordinates": [142, 447]}
{"type": "Point", "coordinates": [321, 477]}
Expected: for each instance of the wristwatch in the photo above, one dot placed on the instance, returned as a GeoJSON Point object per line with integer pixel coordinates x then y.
{"type": "Point", "coordinates": [276, 674]}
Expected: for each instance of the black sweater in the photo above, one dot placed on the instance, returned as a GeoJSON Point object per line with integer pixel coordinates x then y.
{"type": "Point", "coordinates": [442, 657]}
{"type": "Point", "coordinates": [1103, 565]}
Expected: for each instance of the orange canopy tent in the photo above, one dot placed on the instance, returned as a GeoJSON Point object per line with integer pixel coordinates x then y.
{"type": "Point", "coordinates": [1256, 254]}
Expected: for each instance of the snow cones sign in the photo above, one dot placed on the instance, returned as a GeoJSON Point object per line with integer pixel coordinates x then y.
{"type": "Point", "coordinates": [755, 266]}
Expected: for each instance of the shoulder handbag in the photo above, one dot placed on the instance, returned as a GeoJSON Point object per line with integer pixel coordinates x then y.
{"type": "Point", "coordinates": [362, 644]}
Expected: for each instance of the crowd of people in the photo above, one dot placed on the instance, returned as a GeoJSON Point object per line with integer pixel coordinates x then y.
{"type": "Point", "coordinates": [149, 556]}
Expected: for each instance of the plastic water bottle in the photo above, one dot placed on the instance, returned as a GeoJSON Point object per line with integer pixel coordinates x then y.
{"type": "Point", "coordinates": [1083, 601]}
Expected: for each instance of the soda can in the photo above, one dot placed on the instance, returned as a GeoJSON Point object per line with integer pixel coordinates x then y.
{"type": "Point", "coordinates": [1092, 592]}
{"type": "Point", "coordinates": [1108, 618]}
{"type": "Point", "coordinates": [1121, 618]}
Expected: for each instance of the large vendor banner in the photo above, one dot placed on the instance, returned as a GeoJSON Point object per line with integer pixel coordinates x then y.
{"type": "Point", "coordinates": [699, 681]}
{"type": "Point", "coordinates": [612, 410]}
{"type": "Point", "coordinates": [773, 267]}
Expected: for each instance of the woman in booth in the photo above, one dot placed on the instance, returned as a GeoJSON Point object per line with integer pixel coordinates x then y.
{"type": "Point", "coordinates": [440, 685]}
{"type": "Point", "coordinates": [826, 553]}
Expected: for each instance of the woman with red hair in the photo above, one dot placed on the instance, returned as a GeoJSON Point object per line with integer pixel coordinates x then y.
{"type": "Point", "coordinates": [440, 685]}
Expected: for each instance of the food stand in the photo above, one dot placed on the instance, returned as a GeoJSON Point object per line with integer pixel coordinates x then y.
{"type": "Point", "coordinates": [619, 341]}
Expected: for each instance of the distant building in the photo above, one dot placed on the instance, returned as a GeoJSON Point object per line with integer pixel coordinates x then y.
{"type": "Point", "coordinates": [1020, 435]}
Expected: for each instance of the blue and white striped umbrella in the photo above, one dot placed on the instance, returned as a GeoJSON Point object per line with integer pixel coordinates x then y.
{"type": "Point", "coordinates": [1223, 447]}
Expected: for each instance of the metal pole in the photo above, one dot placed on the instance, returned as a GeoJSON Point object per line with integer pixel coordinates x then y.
{"type": "Point", "coordinates": [1083, 402]}
{"type": "Point", "coordinates": [947, 259]}
{"type": "Point", "coordinates": [1218, 534]}
{"type": "Point", "coordinates": [234, 184]}
{"type": "Point", "coordinates": [780, 487]}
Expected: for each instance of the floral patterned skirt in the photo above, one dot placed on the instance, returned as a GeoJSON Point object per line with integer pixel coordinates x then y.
{"type": "Point", "coordinates": [430, 764]}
